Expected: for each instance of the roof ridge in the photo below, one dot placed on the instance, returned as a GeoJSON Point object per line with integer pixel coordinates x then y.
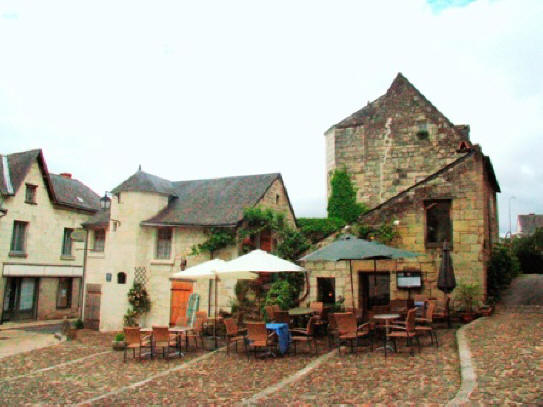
{"type": "Point", "coordinates": [230, 177]}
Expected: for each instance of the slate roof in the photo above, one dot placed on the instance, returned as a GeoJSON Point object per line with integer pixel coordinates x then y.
{"type": "Point", "coordinates": [527, 224]}
{"type": "Point", "coordinates": [388, 102]}
{"type": "Point", "coordinates": [67, 192]}
{"type": "Point", "coordinates": [99, 219]}
{"type": "Point", "coordinates": [213, 202]}
{"type": "Point", "coordinates": [74, 193]}
{"type": "Point", "coordinates": [144, 182]}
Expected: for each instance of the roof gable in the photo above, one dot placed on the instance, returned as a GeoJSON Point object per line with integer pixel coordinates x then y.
{"type": "Point", "coordinates": [73, 193]}
{"type": "Point", "coordinates": [400, 95]}
{"type": "Point", "coordinates": [213, 202]}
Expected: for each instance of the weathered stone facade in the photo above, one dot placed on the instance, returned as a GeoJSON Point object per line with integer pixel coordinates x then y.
{"type": "Point", "coordinates": [402, 153]}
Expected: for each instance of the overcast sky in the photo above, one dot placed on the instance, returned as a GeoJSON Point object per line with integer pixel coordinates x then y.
{"type": "Point", "coordinates": [217, 88]}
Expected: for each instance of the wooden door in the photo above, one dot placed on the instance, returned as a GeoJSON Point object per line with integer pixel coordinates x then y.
{"type": "Point", "coordinates": [92, 306]}
{"type": "Point", "coordinates": [181, 292]}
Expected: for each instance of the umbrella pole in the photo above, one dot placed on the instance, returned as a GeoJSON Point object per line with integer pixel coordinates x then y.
{"type": "Point", "coordinates": [215, 312]}
{"type": "Point", "coordinates": [352, 287]}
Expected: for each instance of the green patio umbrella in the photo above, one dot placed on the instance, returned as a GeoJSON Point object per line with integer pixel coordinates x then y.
{"type": "Point", "coordinates": [349, 247]}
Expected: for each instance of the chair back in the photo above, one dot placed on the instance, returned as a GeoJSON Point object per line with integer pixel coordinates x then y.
{"type": "Point", "coordinates": [198, 325]}
{"type": "Point", "coordinates": [201, 315]}
{"type": "Point", "coordinates": [342, 321]}
{"type": "Point", "coordinates": [317, 306]}
{"type": "Point", "coordinates": [161, 333]}
{"type": "Point", "coordinates": [256, 331]}
{"type": "Point", "coordinates": [311, 325]}
{"type": "Point", "coordinates": [410, 320]}
{"type": "Point", "coordinates": [281, 316]}
{"type": "Point", "coordinates": [429, 314]}
{"type": "Point", "coordinates": [231, 326]}
{"type": "Point", "coordinates": [131, 335]}
{"type": "Point", "coordinates": [270, 312]}
{"type": "Point", "coordinates": [276, 308]}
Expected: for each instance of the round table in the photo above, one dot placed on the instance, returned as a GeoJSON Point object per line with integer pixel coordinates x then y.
{"type": "Point", "coordinates": [387, 318]}
{"type": "Point", "coordinates": [300, 313]}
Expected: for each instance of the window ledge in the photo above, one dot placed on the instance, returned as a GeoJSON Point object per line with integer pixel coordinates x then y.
{"type": "Point", "coordinates": [17, 254]}
{"type": "Point", "coordinates": [67, 257]}
{"type": "Point", "coordinates": [164, 262]}
{"type": "Point", "coordinates": [31, 203]}
{"type": "Point", "coordinates": [97, 255]}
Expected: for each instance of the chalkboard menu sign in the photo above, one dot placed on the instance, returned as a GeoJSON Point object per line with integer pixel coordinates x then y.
{"type": "Point", "coordinates": [409, 279]}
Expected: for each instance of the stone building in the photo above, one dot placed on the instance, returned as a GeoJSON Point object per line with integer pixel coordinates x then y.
{"type": "Point", "coordinates": [528, 224]}
{"type": "Point", "coordinates": [148, 233]}
{"type": "Point", "coordinates": [420, 174]}
{"type": "Point", "coordinates": [42, 266]}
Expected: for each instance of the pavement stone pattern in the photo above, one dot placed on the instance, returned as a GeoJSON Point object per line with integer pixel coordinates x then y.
{"type": "Point", "coordinates": [431, 377]}
{"type": "Point", "coordinates": [508, 352]}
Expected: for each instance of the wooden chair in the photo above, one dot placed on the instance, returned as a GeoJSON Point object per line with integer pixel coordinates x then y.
{"type": "Point", "coordinates": [407, 331]}
{"type": "Point", "coordinates": [134, 340]}
{"type": "Point", "coordinates": [281, 317]}
{"type": "Point", "coordinates": [350, 331]}
{"type": "Point", "coordinates": [424, 325]}
{"type": "Point", "coordinates": [333, 333]}
{"type": "Point", "coordinates": [162, 338]}
{"type": "Point", "coordinates": [258, 337]}
{"type": "Point", "coordinates": [270, 313]}
{"type": "Point", "coordinates": [196, 333]}
{"type": "Point", "coordinates": [233, 333]}
{"type": "Point", "coordinates": [306, 335]}
{"type": "Point", "coordinates": [441, 311]}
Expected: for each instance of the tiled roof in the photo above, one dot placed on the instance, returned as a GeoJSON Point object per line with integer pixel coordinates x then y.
{"type": "Point", "coordinates": [74, 193]}
{"type": "Point", "coordinates": [144, 182]}
{"type": "Point", "coordinates": [99, 219]}
{"type": "Point", "coordinates": [62, 191]}
{"type": "Point", "coordinates": [529, 223]}
{"type": "Point", "coordinates": [213, 202]}
{"type": "Point", "coordinates": [396, 93]}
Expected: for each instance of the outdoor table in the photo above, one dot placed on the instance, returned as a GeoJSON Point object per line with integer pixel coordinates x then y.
{"type": "Point", "coordinates": [387, 318]}
{"type": "Point", "coordinates": [178, 331]}
{"type": "Point", "coordinates": [283, 335]}
{"type": "Point", "coordinates": [300, 313]}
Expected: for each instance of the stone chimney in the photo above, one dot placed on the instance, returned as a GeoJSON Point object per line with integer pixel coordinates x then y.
{"type": "Point", "coordinates": [66, 175]}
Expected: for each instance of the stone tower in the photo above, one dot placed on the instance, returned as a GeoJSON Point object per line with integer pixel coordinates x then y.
{"type": "Point", "coordinates": [394, 142]}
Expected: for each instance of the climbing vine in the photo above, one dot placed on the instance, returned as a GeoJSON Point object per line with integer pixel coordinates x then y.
{"type": "Point", "coordinates": [342, 202]}
{"type": "Point", "coordinates": [384, 233]}
{"type": "Point", "coordinates": [217, 238]}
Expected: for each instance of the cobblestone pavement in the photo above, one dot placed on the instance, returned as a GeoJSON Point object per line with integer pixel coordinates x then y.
{"type": "Point", "coordinates": [225, 380]}
{"type": "Point", "coordinates": [507, 349]}
{"type": "Point", "coordinates": [430, 377]}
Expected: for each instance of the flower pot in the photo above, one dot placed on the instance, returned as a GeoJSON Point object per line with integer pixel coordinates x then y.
{"type": "Point", "coordinates": [118, 345]}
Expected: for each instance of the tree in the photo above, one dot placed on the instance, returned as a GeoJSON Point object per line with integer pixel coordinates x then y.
{"type": "Point", "coordinates": [342, 202]}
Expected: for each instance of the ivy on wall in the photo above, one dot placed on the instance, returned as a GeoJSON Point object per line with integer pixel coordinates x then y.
{"type": "Point", "coordinates": [342, 201]}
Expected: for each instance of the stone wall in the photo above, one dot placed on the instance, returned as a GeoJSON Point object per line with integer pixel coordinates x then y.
{"type": "Point", "coordinates": [384, 154]}
{"type": "Point", "coordinates": [474, 230]}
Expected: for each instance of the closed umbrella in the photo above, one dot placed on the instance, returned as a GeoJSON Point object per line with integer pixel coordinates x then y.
{"type": "Point", "coordinates": [349, 247]}
{"type": "Point", "coordinates": [445, 280]}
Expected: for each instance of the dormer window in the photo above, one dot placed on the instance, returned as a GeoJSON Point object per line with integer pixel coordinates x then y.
{"type": "Point", "coordinates": [30, 194]}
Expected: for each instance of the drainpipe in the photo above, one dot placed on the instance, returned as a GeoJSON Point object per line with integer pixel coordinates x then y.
{"type": "Point", "coordinates": [82, 285]}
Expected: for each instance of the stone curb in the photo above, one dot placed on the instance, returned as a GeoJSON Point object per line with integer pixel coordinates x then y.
{"type": "Point", "coordinates": [148, 379]}
{"type": "Point", "coordinates": [289, 379]}
{"type": "Point", "coordinates": [467, 368]}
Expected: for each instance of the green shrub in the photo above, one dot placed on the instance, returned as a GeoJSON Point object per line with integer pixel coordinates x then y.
{"type": "Point", "coordinates": [467, 294]}
{"type": "Point", "coordinates": [529, 251]}
{"type": "Point", "coordinates": [502, 268]}
{"type": "Point", "coordinates": [282, 293]}
{"type": "Point", "coordinates": [384, 233]}
{"type": "Point", "coordinates": [119, 337]}
{"type": "Point", "coordinates": [78, 324]}
{"type": "Point", "coordinates": [291, 244]}
{"type": "Point", "coordinates": [316, 229]}
{"type": "Point", "coordinates": [342, 202]}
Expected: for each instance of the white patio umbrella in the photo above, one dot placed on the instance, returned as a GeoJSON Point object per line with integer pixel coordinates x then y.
{"type": "Point", "coordinates": [259, 261]}
{"type": "Point", "coordinates": [212, 270]}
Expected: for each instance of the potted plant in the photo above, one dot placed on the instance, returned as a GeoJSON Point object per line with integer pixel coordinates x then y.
{"type": "Point", "coordinates": [118, 342]}
{"type": "Point", "coordinates": [487, 309]}
{"type": "Point", "coordinates": [467, 293]}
